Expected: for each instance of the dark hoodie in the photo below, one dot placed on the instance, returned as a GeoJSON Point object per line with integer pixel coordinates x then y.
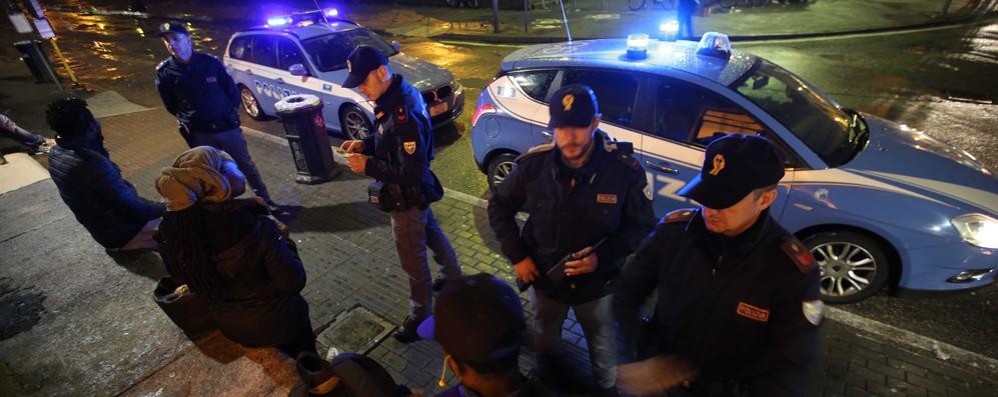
{"type": "Point", "coordinates": [257, 301]}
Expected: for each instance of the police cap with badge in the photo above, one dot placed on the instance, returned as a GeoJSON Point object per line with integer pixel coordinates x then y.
{"type": "Point", "coordinates": [573, 105]}
{"type": "Point", "coordinates": [477, 319]}
{"type": "Point", "coordinates": [734, 166]}
{"type": "Point", "coordinates": [173, 27]}
{"type": "Point", "coordinates": [361, 61]}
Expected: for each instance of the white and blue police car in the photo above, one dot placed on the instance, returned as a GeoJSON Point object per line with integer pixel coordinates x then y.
{"type": "Point", "coordinates": [306, 53]}
{"type": "Point", "coordinates": [878, 203]}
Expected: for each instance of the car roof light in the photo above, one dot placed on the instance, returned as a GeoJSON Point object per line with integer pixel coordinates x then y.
{"type": "Point", "coordinates": [330, 12]}
{"type": "Point", "coordinates": [668, 28]}
{"type": "Point", "coordinates": [715, 45]}
{"type": "Point", "coordinates": [637, 46]}
{"type": "Point", "coordinates": [279, 21]}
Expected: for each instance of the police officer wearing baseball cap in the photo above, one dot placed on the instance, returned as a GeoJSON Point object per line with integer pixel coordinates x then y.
{"type": "Point", "coordinates": [398, 154]}
{"type": "Point", "coordinates": [196, 89]}
{"type": "Point", "coordinates": [479, 323]}
{"type": "Point", "coordinates": [590, 206]}
{"type": "Point", "coordinates": [737, 294]}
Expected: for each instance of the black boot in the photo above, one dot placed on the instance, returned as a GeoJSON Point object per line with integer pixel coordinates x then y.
{"type": "Point", "coordinates": [407, 334]}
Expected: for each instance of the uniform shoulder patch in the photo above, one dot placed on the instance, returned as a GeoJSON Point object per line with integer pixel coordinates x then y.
{"type": "Point", "coordinates": [680, 215]}
{"type": "Point", "coordinates": [536, 150]}
{"type": "Point", "coordinates": [401, 114]}
{"type": "Point", "coordinates": [799, 254]}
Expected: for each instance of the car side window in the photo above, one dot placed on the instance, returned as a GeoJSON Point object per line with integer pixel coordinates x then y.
{"type": "Point", "coordinates": [616, 93]}
{"type": "Point", "coordinates": [535, 83]}
{"type": "Point", "coordinates": [289, 54]}
{"type": "Point", "coordinates": [241, 48]}
{"type": "Point", "coordinates": [265, 51]}
{"type": "Point", "coordinates": [685, 112]}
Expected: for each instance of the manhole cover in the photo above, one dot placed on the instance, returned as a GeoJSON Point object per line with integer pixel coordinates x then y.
{"type": "Point", "coordinates": [357, 330]}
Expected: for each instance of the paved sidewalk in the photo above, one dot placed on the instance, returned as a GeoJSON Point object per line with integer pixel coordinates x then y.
{"type": "Point", "coordinates": [587, 18]}
{"type": "Point", "coordinates": [79, 322]}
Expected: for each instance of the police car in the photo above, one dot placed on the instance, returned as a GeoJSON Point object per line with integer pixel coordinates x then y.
{"type": "Point", "coordinates": [306, 53]}
{"type": "Point", "coordinates": [878, 203]}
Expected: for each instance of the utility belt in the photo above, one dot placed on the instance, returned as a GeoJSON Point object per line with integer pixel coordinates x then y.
{"type": "Point", "coordinates": [390, 197]}
{"type": "Point", "coordinates": [210, 127]}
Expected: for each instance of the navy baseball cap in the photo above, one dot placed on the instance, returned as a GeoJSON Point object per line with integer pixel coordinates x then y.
{"type": "Point", "coordinates": [734, 166]}
{"type": "Point", "coordinates": [573, 105]}
{"type": "Point", "coordinates": [361, 61]}
{"type": "Point", "coordinates": [476, 319]}
{"type": "Point", "coordinates": [173, 27]}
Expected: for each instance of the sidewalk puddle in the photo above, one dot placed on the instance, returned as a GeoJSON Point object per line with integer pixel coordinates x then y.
{"type": "Point", "coordinates": [20, 308]}
{"type": "Point", "coordinates": [358, 331]}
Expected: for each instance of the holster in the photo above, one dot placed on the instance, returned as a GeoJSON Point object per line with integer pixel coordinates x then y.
{"type": "Point", "coordinates": [386, 197]}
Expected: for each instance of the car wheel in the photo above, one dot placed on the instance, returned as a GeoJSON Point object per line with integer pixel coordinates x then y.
{"type": "Point", "coordinates": [499, 168]}
{"type": "Point", "coordinates": [853, 266]}
{"type": "Point", "coordinates": [354, 123]}
{"type": "Point", "coordinates": [250, 104]}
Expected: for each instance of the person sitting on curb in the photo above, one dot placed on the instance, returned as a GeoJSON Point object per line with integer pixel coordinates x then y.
{"type": "Point", "coordinates": [37, 143]}
{"type": "Point", "coordinates": [232, 253]}
{"type": "Point", "coordinates": [479, 323]}
{"type": "Point", "coordinates": [91, 184]}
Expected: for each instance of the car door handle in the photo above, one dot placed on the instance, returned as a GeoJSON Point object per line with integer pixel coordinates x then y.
{"type": "Point", "coordinates": [249, 71]}
{"type": "Point", "coordinates": [279, 80]}
{"type": "Point", "coordinates": [662, 166]}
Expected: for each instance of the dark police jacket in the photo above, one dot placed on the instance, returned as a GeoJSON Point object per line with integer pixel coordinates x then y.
{"type": "Point", "coordinates": [201, 94]}
{"type": "Point", "coordinates": [258, 301]}
{"type": "Point", "coordinates": [611, 199]}
{"type": "Point", "coordinates": [401, 146]}
{"type": "Point", "coordinates": [101, 200]}
{"type": "Point", "coordinates": [742, 309]}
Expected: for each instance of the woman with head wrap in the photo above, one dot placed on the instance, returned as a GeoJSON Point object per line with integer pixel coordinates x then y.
{"type": "Point", "coordinates": [232, 253]}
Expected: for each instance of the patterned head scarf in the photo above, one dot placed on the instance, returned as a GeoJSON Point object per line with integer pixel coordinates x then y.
{"type": "Point", "coordinates": [196, 175]}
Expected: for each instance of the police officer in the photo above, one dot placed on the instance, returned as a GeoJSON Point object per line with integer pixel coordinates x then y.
{"type": "Point", "coordinates": [588, 199]}
{"type": "Point", "coordinates": [399, 156]}
{"type": "Point", "coordinates": [197, 90]}
{"type": "Point", "coordinates": [737, 294]}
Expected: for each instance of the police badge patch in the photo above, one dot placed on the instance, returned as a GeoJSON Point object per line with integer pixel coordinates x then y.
{"type": "Point", "coordinates": [813, 311]}
{"type": "Point", "coordinates": [410, 147]}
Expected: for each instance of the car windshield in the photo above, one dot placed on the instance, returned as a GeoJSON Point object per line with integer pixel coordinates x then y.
{"type": "Point", "coordinates": [831, 132]}
{"type": "Point", "coordinates": [329, 52]}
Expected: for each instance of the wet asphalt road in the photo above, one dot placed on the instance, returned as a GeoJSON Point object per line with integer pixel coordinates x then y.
{"type": "Point", "coordinates": [940, 81]}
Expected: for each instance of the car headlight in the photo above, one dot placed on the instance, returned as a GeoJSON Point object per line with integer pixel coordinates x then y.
{"type": "Point", "coordinates": [977, 229]}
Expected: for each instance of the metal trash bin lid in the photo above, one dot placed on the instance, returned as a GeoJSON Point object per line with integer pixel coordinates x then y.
{"type": "Point", "coordinates": [295, 103]}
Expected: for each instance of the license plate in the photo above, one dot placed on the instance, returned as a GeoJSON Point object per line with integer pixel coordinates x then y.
{"type": "Point", "coordinates": [438, 109]}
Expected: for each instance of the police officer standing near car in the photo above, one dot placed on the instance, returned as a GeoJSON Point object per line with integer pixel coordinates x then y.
{"type": "Point", "coordinates": [590, 206]}
{"type": "Point", "coordinates": [738, 304]}
{"type": "Point", "coordinates": [196, 89]}
{"type": "Point", "coordinates": [398, 156]}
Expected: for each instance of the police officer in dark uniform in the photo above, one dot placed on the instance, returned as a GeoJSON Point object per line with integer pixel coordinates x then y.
{"type": "Point", "coordinates": [197, 90]}
{"type": "Point", "coordinates": [398, 156]}
{"type": "Point", "coordinates": [590, 206]}
{"type": "Point", "coordinates": [737, 294]}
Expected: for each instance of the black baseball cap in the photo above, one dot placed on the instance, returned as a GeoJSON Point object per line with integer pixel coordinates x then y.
{"type": "Point", "coordinates": [476, 319]}
{"type": "Point", "coordinates": [734, 166]}
{"type": "Point", "coordinates": [361, 61]}
{"type": "Point", "coordinates": [173, 27]}
{"type": "Point", "coordinates": [573, 105]}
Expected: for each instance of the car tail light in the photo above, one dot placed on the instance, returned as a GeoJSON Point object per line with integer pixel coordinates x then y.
{"type": "Point", "coordinates": [483, 108]}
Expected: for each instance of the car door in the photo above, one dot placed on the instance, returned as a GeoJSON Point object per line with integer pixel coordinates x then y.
{"type": "Point", "coordinates": [266, 72]}
{"type": "Point", "coordinates": [328, 55]}
{"type": "Point", "coordinates": [687, 117]}
{"type": "Point", "coordinates": [238, 63]}
{"type": "Point", "coordinates": [617, 96]}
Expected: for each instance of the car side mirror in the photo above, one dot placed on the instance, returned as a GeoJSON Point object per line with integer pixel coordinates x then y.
{"type": "Point", "coordinates": [298, 70]}
{"type": "Point", "coordinates": [396, 45]}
